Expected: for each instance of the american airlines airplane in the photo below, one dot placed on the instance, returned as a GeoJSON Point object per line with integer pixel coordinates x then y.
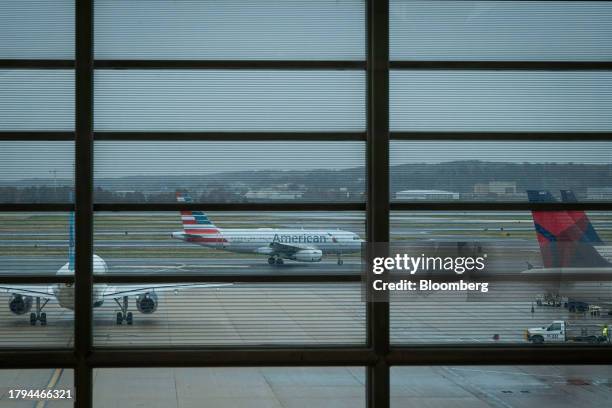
{"type": "Point", "coordinates": [24, 297]}
{"type": "Point", "coordinates": [302, 245]}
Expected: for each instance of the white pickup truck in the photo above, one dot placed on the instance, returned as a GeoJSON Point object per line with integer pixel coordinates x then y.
{"type": "Point", "coordinates": [560, 331]}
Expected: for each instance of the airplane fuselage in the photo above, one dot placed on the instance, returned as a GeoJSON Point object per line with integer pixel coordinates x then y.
{"type": "Point", "coordinates": [262, 240]}
{"type": "Point", "coordinates": [64, 292]}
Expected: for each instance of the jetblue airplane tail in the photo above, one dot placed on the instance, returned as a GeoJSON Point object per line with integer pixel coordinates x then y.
{"type": "Point", "coordinates": [195, 222]}
{"type": "Point", "coordinates": [581, 219]}
{"type": "Point", "coordinates": [561, 237]}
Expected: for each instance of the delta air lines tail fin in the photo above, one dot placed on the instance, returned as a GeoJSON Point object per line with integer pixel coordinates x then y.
{"type": "Point", "coordinates": [560, 237]}
{"type": "Point", "coordinates": [581, 219]}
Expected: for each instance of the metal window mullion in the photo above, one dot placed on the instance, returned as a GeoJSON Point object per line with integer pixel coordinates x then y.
{"type": "Point", "coordinates": [377, 313]}
{"type": "Point", "coordinates": [83, 311]}
{"type": "Point", "coordinates": [493, 354]}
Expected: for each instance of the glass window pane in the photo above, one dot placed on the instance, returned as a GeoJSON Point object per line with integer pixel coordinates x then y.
{"type": "Point", "coordinates": [500, 30]}
{"type": "Point", "coordinates": [230, 30]}
{"type": "Point", "coordinates": [57, 379]}
{"type": "Point", "coordinates": [230, 171]}
{"type": "Point", "coordinates": [36, 100]}
{"type": "Point", "coordinates": [226, 100]}
{"type": "Point", "coordinates": [230, 387]}
{"type": "Point", "coordinates": [499, 171]}
{"type": "Point", "coordinates": [507, 386]}
{"type": "Point", "coordinates": [36, 172]}
{"type": "Point", "coordinates": [22, 327]}
{"type": "Point", "coordinates": [33, 243]}
{"type": "Point", "coordinates": [238, 314]}
{"type": "Point", "coordinates": [500, 101]}
{"type": "Point", "coordinates": [196, 242]}
{"type": "Point", "coordinates": [37, 29]}
{"type": "Point", "coordinates": [541, 267]}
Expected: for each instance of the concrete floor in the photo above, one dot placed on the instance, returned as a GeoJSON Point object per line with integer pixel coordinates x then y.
{"type": "Point", "coordinates": [334, 387]}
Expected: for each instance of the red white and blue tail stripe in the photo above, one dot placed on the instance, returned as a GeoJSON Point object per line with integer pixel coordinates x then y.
{"type": "Point", "coordinates": [197, 224]}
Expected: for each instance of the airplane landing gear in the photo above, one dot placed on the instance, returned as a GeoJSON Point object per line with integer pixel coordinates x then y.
{"type": "Point", "coordinates": [124, 315]}
{"type": "Point", "coordinates": [39, 315]}
{"type": "Point", "coordinates": [275, 260]}
{"type": "Point", "coordinates": [340, 261]}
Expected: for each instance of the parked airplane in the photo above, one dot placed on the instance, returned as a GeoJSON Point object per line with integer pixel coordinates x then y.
{"type": "Point", "coordinates": [581, 218]}
{"type": "Point", "coordinates": [24, 297]}
{"type": "Point", "coordinates": [566, 240]}
{"type": "Point", "coordinates": [302, 245]}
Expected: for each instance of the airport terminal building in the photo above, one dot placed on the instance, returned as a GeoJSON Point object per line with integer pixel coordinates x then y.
{"type": "Point", "coordinates": [292, 203]}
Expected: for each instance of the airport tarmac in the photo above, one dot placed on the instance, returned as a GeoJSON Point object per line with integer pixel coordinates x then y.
{"type": "Point", "coordinates": [299, 314]}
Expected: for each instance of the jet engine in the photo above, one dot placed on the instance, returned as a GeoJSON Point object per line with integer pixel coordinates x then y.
{"type": "Point", "coordinates": [147, 303]}
{"type": "Point", "coordinates": [308, 255]}
{"type": "Point", "coordinates": [19, 304]}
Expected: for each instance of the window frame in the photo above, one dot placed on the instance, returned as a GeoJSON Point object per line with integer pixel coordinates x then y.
{"type": "Point", "coordinates": [377, 355]}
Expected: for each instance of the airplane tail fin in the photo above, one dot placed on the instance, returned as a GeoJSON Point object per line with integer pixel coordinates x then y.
{"type": "Point", "coordinates": [195, 222]}
{"type": "Point", "coordinates": [560, 237]}
{"type": "Point", "coordinates": [581, 219]}
{"type": "Point", "coordinates": [71, 239]}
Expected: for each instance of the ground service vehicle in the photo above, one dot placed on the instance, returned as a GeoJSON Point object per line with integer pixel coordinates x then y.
{"type": "Point", "coordinates": [560, 331]}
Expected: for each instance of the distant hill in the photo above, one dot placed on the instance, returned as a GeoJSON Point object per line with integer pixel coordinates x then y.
{"type": "Point", "coordinates": [321, 184]}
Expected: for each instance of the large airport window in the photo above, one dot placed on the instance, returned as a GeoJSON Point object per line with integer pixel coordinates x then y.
{"type": "Point", "coordinates": [500, 30]}
{"type": "Point", "coordinates": [231, 387]}
{"type": "Point", "coordinates": [442, 100]}
{"type": "Point", "coordinates": [230, 100]}
{"type": "Point", "coordinates": [230, 171]}
{"type": "Point", "coordinates": [186, 188]}
{"type": "Point", "coordinates": [454, 171]}
{"type": "Point", "coordinates": [232, 30]}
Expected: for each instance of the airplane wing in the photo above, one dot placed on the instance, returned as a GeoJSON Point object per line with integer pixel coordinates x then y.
{"type": "Point", "coordinates": [135, 290]}
{"type": "Point", "coordinates": [288, 248]}
{"type": "Point", "coordinates": [28, 290]}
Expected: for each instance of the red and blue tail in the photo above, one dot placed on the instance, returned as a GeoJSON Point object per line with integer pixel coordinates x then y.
{"type": "Point", "coordinates": [563, 237]}
{"type": "Point", "coordinates": [581, 219]}
{"type": "Point", "coordinates": [197, 223]}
